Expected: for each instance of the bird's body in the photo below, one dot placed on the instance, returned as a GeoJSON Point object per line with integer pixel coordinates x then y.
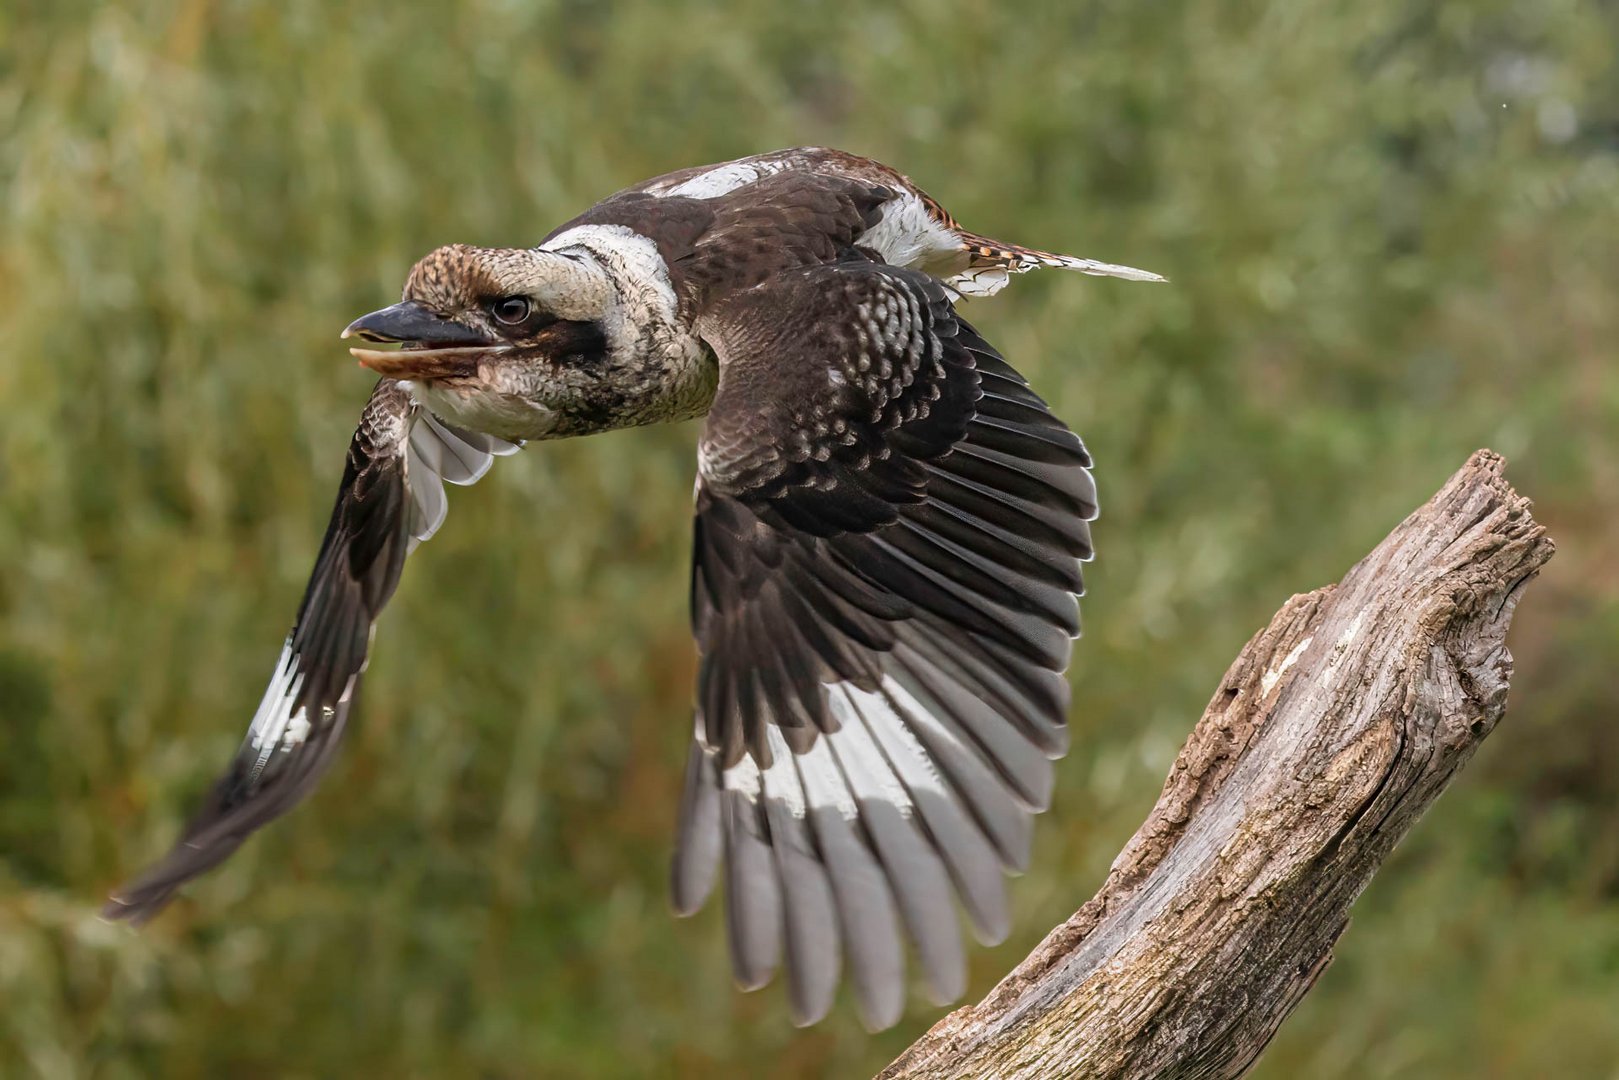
{"type": "Point", "coordinates": [886, 559]}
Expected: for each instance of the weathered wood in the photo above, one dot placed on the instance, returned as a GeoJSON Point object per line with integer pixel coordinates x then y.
{"type": "Point", "coordinates": [1334, 730]}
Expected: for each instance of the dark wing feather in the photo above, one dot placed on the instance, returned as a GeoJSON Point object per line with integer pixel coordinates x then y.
{"type": "Point", "coordinates": [889, 531]}
{"type": "Point", "coordinates": [391, 498]}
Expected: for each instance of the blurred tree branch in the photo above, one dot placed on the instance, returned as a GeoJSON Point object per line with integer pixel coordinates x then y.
{"type": "Point", "coordinates": [1332, 732]}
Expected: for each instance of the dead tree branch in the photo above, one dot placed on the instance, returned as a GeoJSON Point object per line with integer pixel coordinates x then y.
{"type": "Point", "coordinates": [1331, 734]}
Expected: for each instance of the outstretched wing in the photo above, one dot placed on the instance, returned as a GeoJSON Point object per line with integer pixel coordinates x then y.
{"type": "Point", "coordinates": [890, 526]}
{"type": "Point", "coordinates": [392, 498]}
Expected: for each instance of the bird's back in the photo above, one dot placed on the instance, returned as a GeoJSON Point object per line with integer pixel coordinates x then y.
{"type": "Point", "coordinates": [912, 229]}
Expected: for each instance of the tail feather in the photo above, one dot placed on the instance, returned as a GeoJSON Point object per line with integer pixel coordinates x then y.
{"type": "Point", "coordinates": [990, 264]}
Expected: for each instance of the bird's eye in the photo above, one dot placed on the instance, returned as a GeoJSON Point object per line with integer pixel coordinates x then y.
{"type": "Point", "coordinates": [512, 310]}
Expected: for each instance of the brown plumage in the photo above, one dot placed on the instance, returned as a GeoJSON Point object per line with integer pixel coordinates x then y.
{"type": "Point", "coordinates": [889, 531]}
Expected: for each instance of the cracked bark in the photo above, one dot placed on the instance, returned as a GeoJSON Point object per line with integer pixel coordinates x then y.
{"type": "Point", "coordinates": [1334, 730]}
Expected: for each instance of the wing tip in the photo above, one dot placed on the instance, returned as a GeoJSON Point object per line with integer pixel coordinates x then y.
{"type": "Point", "coordinates": [135, 906]}
{"type": "Point", "coordinates": [884, 1009]}
{"type": "Point", "coordinates": [686, 900]}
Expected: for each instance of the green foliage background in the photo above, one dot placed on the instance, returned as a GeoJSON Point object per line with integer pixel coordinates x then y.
{"type": "Point", "coordinates": [1391, 228]}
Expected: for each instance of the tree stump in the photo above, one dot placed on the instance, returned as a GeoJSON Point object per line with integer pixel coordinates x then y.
{"type": "Point", "coordinates": [1333, 731]}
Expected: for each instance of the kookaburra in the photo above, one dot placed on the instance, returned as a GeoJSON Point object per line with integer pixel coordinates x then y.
{"type": "Point", "coordinates": [890, 527]}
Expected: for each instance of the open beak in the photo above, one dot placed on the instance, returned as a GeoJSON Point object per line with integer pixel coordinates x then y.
{"type": "Point", "coordinates": [431, 346]}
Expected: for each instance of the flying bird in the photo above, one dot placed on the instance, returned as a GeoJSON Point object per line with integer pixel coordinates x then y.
{"type": "Point", "coordinates": [886, 560]}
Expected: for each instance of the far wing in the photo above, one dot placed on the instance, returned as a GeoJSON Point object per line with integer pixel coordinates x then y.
{"type": "Point", "coordinates": [889, 532]}
{"type": "Point", "coordinates": [391, 499]}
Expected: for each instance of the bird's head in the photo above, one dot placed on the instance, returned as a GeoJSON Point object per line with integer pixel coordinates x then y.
{"type": "Point", "coordinates": [468, 310]}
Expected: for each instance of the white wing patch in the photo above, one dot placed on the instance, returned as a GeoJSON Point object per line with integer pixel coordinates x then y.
{"type": "Point", "coordinates": [721, 179]}
{"type": "Point", "coordinates": [893, 749]}
{"type": "Point", "coordinates": [781, 780]}
{"type": "Point", "coordinates": [269, 728]}
{"type": "Point", "coordinates": [275, 726]}
{"type": "Point", "coordinates": [889, 715]}
{"type": "Point", "coordinates": [883, 818]}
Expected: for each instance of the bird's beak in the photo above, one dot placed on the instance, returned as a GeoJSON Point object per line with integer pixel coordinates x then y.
{"type": "Point", "coordinates": [433, 346]}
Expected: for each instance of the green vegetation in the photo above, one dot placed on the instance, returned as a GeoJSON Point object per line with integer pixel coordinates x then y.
{"type": "Point", "coordinates": [1390, 227]}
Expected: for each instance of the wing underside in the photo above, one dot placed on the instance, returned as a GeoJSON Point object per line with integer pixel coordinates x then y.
{"type": "Point", "coordinates": [391, 498]}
